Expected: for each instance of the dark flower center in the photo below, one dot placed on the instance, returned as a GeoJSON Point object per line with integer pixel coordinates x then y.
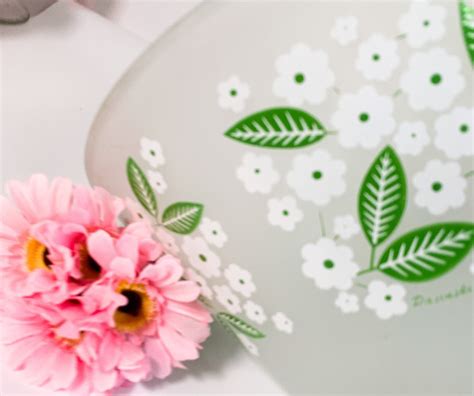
{"type": "Point", "coordinates": [134, 303]}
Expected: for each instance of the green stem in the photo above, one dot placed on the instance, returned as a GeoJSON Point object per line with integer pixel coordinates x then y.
{"type": "Point", "coordinates": [401, 36]}
{"type": "Point", "coordinates": [372, 257]}
{"type": "Point", "coordinates": [365, 271]}
{"type": "Point", "coordinates": [371, 263]}
{"type": "Point", "coordinates": [321, 224]}
{"type": "Point", "coordinates": [397, 93]}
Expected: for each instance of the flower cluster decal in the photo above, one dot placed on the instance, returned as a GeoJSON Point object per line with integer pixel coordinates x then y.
{"type": "Point", "coordinates": [184, 219]}
{"type": "Point", "coordinates": [430, 80]}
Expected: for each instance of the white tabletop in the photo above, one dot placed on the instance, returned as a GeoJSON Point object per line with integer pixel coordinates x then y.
{"type": "Point", "coordinates": [55, 72]}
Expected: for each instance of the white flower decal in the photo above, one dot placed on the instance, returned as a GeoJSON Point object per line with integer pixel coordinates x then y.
{"type": "Point", "coordinates": [347, 302]}
{"type": "Point", "coordinates": [329, 265]}
{"type": "Point", "coordinates": [255, 312]}
{"type": "Point", "coordinates": [362, 119]}
{"type": "Point", "coordinates": [433, 80]}
{"type": "Point", "coordinates": [151, 152]}
{"type": "Point", "coordinates": [240, 280]}
{"type": "Point", "coordinates": [377, 57]}
{"type": "Point", "coordinates": [249, 345]}
{"type": "Point", "coordinates": [284, 213]}
{"type": "Point", "coordinates": [454, 132]}
{"type": "Point", "coordinates": [228, 299]}
{"type": "Point", "coordinates": [440, 186]}
{"type": "Point", "coordinates": [213, 232]}
{"type": "Point", "coordinates": [346, 226]}
{"type": "Point", "coordinates": [317, 177]}
{"type": "Point", "coordinates": [303, 75]}
{"type": "Point", "coordinates": [168, 241]}
{"type": "Point", "coordinates": [344, 30]}
{"type": "Point", "coordinates": [192, 275]}
{"type": "Point", "coordinates": [232, 94]}
{"type": "Point", "coordinates": [386, 300]}
{"type": "Point", "coordinates": [423, 23]}
{"type": "Point", "coordinates": [411, 138]}
{"type": "Point", "coordinates": [282, 323]}
{"type": "Point", "coordinates": [157, 181]}
{"type": "Point", "coordinates": [257, 173]}
{"type": "Point", "coordinates": [201, 257]}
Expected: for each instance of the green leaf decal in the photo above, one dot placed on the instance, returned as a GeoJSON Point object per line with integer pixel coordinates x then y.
{"type": "Point", "coordinates": [280, 127]}
{"type": "Point", "coordinates": [239, 325]}
{"type": "Point", "coordinates": [382, 197]}
{"type": "Point", "coordinates": [141, 187]}
{"type": "Point", "coordinates": [466, 13]}
{"type": "Point", "coordinates": [428, 252]}
{"type": "Point", "coordinates": [182, 217]}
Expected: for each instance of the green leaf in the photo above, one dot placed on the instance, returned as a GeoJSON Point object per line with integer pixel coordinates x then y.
{"type": "Point", "coordinates": [182, 217]}
{"type": "Point", "coordinates": [428, 252]}
{"type": "Point", "coordinates": [280, 127]}
{"type": "Point", "coordinates": [141, 187]}
{"type": "Point", "coordinates": [382, 197]}
{"type": "Point", "coordinates": [240, 325]}
{"type": "Point", "coordinates": [466, 13]}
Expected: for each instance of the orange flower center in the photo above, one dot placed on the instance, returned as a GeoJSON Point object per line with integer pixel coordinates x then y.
{"type": "Point", "coordinates": [137, 312]}
{"type": "Point", "coordinates": [37, 256]}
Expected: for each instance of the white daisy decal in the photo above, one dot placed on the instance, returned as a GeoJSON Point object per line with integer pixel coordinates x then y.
{"type": "Point", "coordinates": [344, 30]}
{"type": "Point", "coordinates": [345, 227]}
{"type": "Point", "coordinates": [433, 80]}
{"type": "Point", "coordinates": [329, 265]}
{"type": "Point", "coordinates": [151, 152]}
{"type": "Point", "coordinates": [255, 312]}
{"type": "Point", "coordinates": [347, 302]}
{"type": "Point", "coordinates": [257, 174]}
{"type": "Point", "coordinates": [213, 232]}
{"type": "Point", "coordinates": [440, 187]}
{"type": "Point", "coordinates": [423, 23]}
{"type": "Point", "coordinates": [411, 138]}
{"type": "Point", "coordinates": [157, 181]}
{"type": "Point", "coordinates": [168, 241]}
{"type": "Point", "coordinates": [284, 213]}
{"type": "Point", "coordinates": [455, 132]}
{"type": "Point", "coordinates": [192, 275]}
{"type": "Point", "coordinates": [240, 280]}
{"type": "Point", "coordinates": [317, 177]}
{"type": "Point", "coordinates": [377, 57]}
{"type": "Point", "coordinates": [386, 300]}
{"type": "Point", "coordinates": [249, 345]}
{"type": "Point", "coordinates": [232, 94]}
{"type": "Point", "coordinates": [303, 76]}
{"type": "Point", "coordinates": [283, 323]}
{"type": "Point", "coordinates": [228, 299]}
{"type": "Point", "coordinates": [364, 118]}
{"type": "Point", "coordinates": [201, 257]}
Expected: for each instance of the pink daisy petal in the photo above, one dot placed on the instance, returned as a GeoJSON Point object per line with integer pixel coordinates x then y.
{"type": "Point", "coordinates": [110, 351]}
{"type": "Point", "coordinates": [127, 246]}
{"type": "Point", "coordinates": [19, 352]}
{"type": "Point", "coordinates": [123, 267]}
{"type": "Point", "coordinates": [104, 380]}
{"type": "Point", "coordinates": [19, 195]}
{"type": "Point", "coordinates": [61, 195]}
{"type": "Point", "coordinates": [194, 330]}
{"type": "Point", "coordinates": [166, 271]}
{"type": "Point", "coordinates": [179, 347]}
{"type": "Point", "coordinates": [39, 194]}
{"type": "Point", "coordinates": [101, 248]}
{"type": "Point", "coordinates": [192, 310]}
{"type": "Point", "coordinates": [183, 291]}
{"type": "Point", "coordinates": [10, 216]}
{"type": "Point", "coordinates": [161, 360]}
{"type": "Point", "coordinates": [63, 370]}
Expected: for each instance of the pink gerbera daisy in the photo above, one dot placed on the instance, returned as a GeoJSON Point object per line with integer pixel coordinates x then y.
{"type": "Point", "coordinates": [161, 314]}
